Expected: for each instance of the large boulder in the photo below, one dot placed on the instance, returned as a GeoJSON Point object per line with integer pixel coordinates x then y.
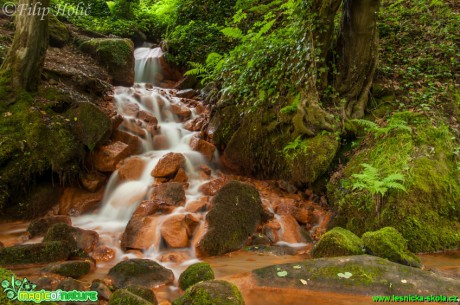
{"type": "Point", "coordinates": [390, 244]}
{"type": "Point", "coordinates": [168, 165]}
{"type": "Point", "coordinates": [116, 54]}
{"type": "Point", "coordinates": [195, 273]}
{"type": "Point", "coordinates": [89, 124]}
{"type": "Point", "coordinates": [74, 269]}
{"type": "Point", "coordinates": [75, 237]}
{"type": "Point", "coordinates": [213, 292]}
{"type": "Point", "coordinates": [338, 242]}
{"type": "Point", "coordinates": [140, 272]}
{"type": "Point", "coordinates": [235, 214]}
{"type": "Point", "coordinates": [170, 193]}
{"type": "Point", "coordinates": [39, 227]}
{"type": "Point", "coordinates": [41, 253]}
{"type": "Point", "coordinates": [126, 297]}
{"type": "Point", "coordinates": [361, 274]}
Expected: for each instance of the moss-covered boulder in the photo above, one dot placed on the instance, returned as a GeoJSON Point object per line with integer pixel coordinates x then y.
{"type": "Point", "coordinates": [427, 214]}
{"type": "Point", "coordinates": [45, 252]}
{"type": "Point", "coordinates": [263, 144]}
{"type": "Point", "coordinates": [89, 124]}
{"type": "Point", "coordinates": [126, 297]}
{"type": "Point", "coordinates": [390, 244]}
{"type": "Point", "coordinates": [74, 269]}
{"type": "Point", "coordinates": [59, 35]}
{"type": "Point", "coordinates": [116, 54]}
{"type": "Point", "coordinates": [236, 211]}
{"type": "Point", "coordinates": [62, 232]}
{"type": "Point", "coordinates": [140, 272]}
{"type": "Point", "coordinates": [361, 274]}
{"type": "Point", "coordinates": [145, 293]}
{"type": "Point", "coordinates": [39, 227]}
{"type": "Point", "coordinates": [194, 274]}
{"type": "Point", "coordinates": [214, 292]}
{"type": "Point", "coordinates": [338, 242]}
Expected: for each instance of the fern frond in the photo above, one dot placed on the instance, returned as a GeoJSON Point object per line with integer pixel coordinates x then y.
{"type": "Point", "coordinates": [235, 33]}
{"type": "Point", "coordinates": [368, 125]}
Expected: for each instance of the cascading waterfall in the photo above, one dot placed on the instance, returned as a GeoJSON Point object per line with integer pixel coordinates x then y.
{"type": "Point", "coordinates": [147, 65]}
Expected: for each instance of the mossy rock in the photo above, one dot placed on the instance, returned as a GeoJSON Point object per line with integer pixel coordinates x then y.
{"type": "Point", "coordinates": [361, 274]}
{"type": "Point", "coordinates": [236, 212]}
{"type": "Point", "coordinates": [265, 147]}
{"type": "Point", "coordinates": [338, 242]}
{"type": "Point", "coordinates": [74, 269]}
{"type": "Point", "coordinates": [116, 54]}
{"type": "Point", "coordinates": [214, 292]}
{"type": "Point", "coordinates": [39, 227]}
{"type": "Point", "coordinates": [59, 35]}
{"type": "Point", "coordinates": [62, 232]}
{"type": "Point", "coordinates": [390, 244]}
{"type": "Point", "coordinates": [45, 252]}
{"type": "Point", "coordinates": [90, 124]}
{"type": "Point", "coordinates": [140, 272]}
{"type": "Point", "coordinates": [145, 293]}
{"type": "Point", "coordinates": [427, 214]}
{"type": "Point", "coordinates": [125, 297]}
{"type": "Point", "coordinates": [194, 274]}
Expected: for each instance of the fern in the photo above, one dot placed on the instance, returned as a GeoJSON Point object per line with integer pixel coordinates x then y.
{"type": "Point", "coordinates": [235, 33]}
{"type": "Point", "coordinates": [394, 123]}
{"type": "Point", "coordinates": [293, 145]}
{"type": "Point", "coordinates": [205, 71]}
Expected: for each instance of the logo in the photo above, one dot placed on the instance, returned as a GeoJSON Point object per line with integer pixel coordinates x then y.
{"type": "Point", "coordinates": [24, 291]}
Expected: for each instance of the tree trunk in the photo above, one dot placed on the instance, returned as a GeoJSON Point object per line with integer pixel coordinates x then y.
{"type": "Point", "coordinates": [357, 48]}
{"type": "Point", "coordinates": [26, 56]}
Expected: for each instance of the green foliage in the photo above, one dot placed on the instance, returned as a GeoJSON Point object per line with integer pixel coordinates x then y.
{"type": "Point", "coordinates": [371, 181]}
{"type": "Point", "coordinates": [205, 71]}
{"type": "Point", "coordinates": [293, 146]}
{"type": "Point", "coordinates": [396, 122]}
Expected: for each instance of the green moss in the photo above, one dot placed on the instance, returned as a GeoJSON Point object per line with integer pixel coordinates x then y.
{"type": "Point", "coordinates": [427, 215]}
{"type": "Point", "coordinates": [143, 292]}
{"type": "Point", "coordinates": [214, 292]}
{"type": "Point", "coordinates": [74, 269]}
{"type": "Point", "coordinates": [62, 232]}
{"type": "Point", "coordinates": [34, 253]}
{"type": "Point", "coordinates": [111, 51]}
{"type": "Point", "coordinates": [338, 242]}
{"type": "Point", "coordinates": [194, 274]}
{"type": "Point", "coordinates": [390, 244]}
{"type": "Point", "coordinates": [58, 33]}
{"type": "Point", "coordinates": [125, 297]}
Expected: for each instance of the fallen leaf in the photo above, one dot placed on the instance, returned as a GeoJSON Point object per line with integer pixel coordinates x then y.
{"type": "Point", "coordinates": [282, 274]}
{"type": "Point", "coordinates": [304, 282]}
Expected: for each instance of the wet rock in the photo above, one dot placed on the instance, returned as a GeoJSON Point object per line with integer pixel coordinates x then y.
{"type": "Point", "coordinates": [75, 202]}
{"type": "Point", "coordinates": [174, 257]}
{"type": "Point", "coordinates": [260, 239]}
{"type": "Point", "coordinates": [45, 252]}
{"type": "Point", "coordinates": [145, 293]}
{"type": "Point", "coordinates": [89, 124]}
{"type": "Point", "coordinates": [75, 237]}
{"type": "Point", "coordinates": [93, 181]}
{"type": "Point", "coordinates": [303, 216]}
{"type": "Point", "coordinates": [235, 213]}
{"type": "Point", "coordinates": [390, 244]}
{"type": "Point", "coordinates": [125, 297]}
{"type": "Point", "coordinates": [181, 176]}
{"type": "Point", "coordinates": [170, 193]}
{"type": "Point", "coordinates": [134, 126]}
{"type": "Point", "coordinates": [59, 35]}
{"type": "Point", "coordinates": [141, 272]}
{"type": "Point", "coordinates": [147, 117]}
{"type": "Point", "coordinates": [181, 110]}
{"type": "Point", "coordinates": [338, 242]}
{"type": "Point", "coordinates": [195, 124]}
{"type": "Point", "coordinates": [131, 168]}
{"type": "Point", "coordinates": [211, 292]}
{"type": "Point", "coordinates": [196, 206]}
{"type": "Point", "coordinates": [168, 165]}
{"type": "Point", "coordinates": [40, 226]}
{"type": "Point", "coordinates": [291, 230]}
{"type": "Point", "coordinates": [116, 54]}
{"type": "Point", "coordinates": [194, 274]}
{"type": "Point", "coordinates": [177, 229]}
{"type": "Point", "coordinates": [271, 230]}
{"type": "Point", "coordinates": [187, 93]}
{"type": "Point", "coordinates": [106, 158]}
{"type": "Point", "coordinates": [131, 109]}
{"type": "Point", "coordinates": [140, 233]}
{"type": "Point", "coordinates": [74, 269]}
{"type": "Point", "coordinates": [103, 291]}
{"type": "Point", "coordinates": [285, 206]}
{"type": "Point", "coordinates": [205, 148]}
{"type": "Point", "coordinates": [103, 254]}
{"type": "Point", "coordinates": [70, 284]}
{"type": "Point", "coordinates": [210, 188]}
{"type": "Point", "coordinates": [133, 142]}
{"type": "Point", "coordinates": [160, 142]}
{"type": "Point", "coordinates": [361, 274]}
{"type": "Point", "coordinates": [44, 282]}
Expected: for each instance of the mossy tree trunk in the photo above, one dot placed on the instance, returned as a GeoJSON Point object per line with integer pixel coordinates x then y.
{"type": "Point", "coordinates": [357, 48]}
{"type": "Point", "coordinates": [26, 57]}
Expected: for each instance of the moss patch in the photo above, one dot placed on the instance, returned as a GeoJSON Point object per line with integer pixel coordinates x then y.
{"type": "Point", "coordinates": [58, 33]}
{"type": "Point", "coordinates": [338, 242]}
{"type": "Point", "coordinates": [34, 253]}
{"type": "Point", "coordinates": [194, 274]}
{"type": "Point", "coordinates": [389, 243]}
{"type": "Point", "coordinates": [74, 269]}
{"type": "Point", "coordinates": [427, 215]}
{"type": "Point", "coordinates": [211, 293]}
{"type": "Point", "coordinates": [125, 297]}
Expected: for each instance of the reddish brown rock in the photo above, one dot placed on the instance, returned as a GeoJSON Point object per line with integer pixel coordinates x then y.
{"type": "Point", "coordinates": [170, 193]}
{"type": "Point", "coordinates": [285, 206]}
{"type": "Point", "coordinates": [131, 168]}
{"type": "Point", "coordinates": [272, 230]}
{"type": "Point", "coordinates": [210, 188]}
{"type": "Point", "coordinates": [133, 142]}
{"type": "Point", "coordinates": [205, 148]}
{"type": "Point", "coordinates": [134, 126]}
{"type": "Point", "coordinates": [160, 142]}
{"type": "Point", "coordinates": [87, 239]}
{"type": "Point", "coordinates": [181, 176]}
{"type": "Point", "coordinates": [93, 181]}
{"type": "Point", "coordinates": [174, 231]}
{"type": "Point", "coordinates": [130, 109]}
{"type": "Point", "coordinates": [103, 254]}
{"type": "Point", "coordinates": [106, 158]}
{"type": "Point", "coordinates": [147, 117]}
{"type": "Point", "coordinates": [74, 201]}
{"type": "Point", "coordinates": [291, 230]}
{"type": "Point", "coordinates": [141, 233]}
{"type": "Point", "coordinates": [195, 124]}
{"type": "Point", "coordinates": [303, 216]}
{"type": "Point", "coordinates": [181, 110]}
{"type": "Point", "coordinates": [168, 165]}
{"type": "Point", "coordinates": [174, 257]}
{"type": "Point", "coordinates": [199, 205]}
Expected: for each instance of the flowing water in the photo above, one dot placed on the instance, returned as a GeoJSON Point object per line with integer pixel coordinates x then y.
{"type": "Point", "coordinates": [123, 196]}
